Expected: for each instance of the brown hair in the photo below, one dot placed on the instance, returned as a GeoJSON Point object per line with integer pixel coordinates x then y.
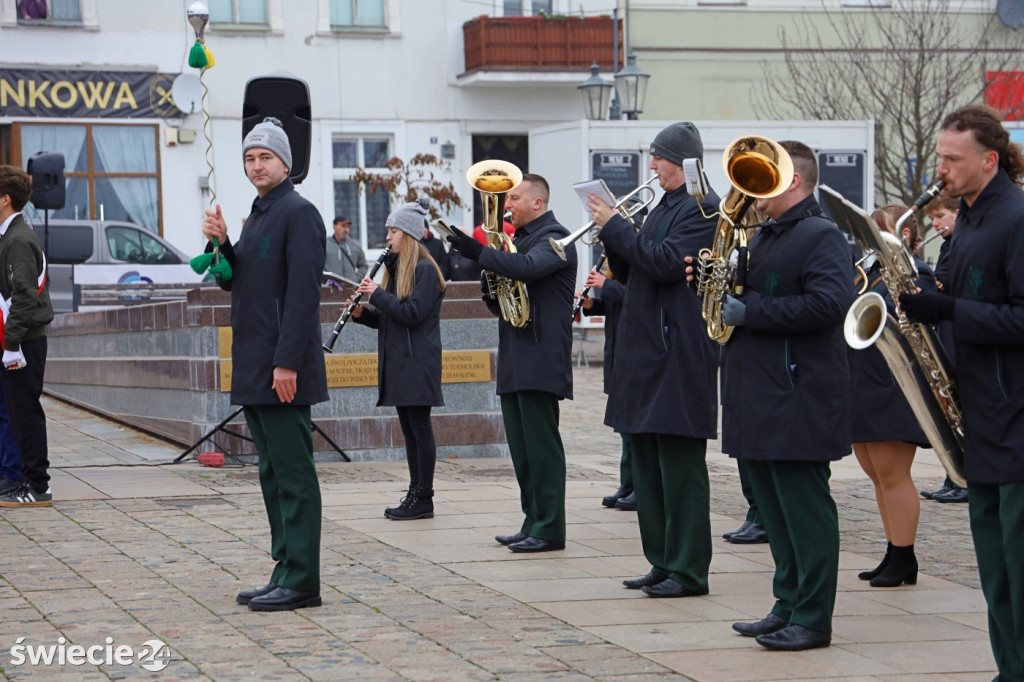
{"type": "Point", "coordinates": [886, 217]}
{"type": "Point", "coordinates": [989, 132]}
{"type": "Point", "coordinates": [539, 186]}
{"type": "Point", "coordinates": [804, 162]}
{"type": "Point", "coordinates": [943, 201]}
{"type": "Point", "coordinates": [17, 184]}
{"type": "Point", "coordinates": [405, 270]}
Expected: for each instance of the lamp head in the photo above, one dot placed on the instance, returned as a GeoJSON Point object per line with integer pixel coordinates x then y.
{"type": "Point", "coordinates": [198, 16]}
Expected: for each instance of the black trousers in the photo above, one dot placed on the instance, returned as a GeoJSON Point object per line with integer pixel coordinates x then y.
{"type": "Point", "coordinates": [420, 448]}
{"type": "Point", "coordinates": [22, 390]}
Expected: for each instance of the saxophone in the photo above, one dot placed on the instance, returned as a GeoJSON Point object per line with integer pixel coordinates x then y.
{"type": "Point", "coordinates": [757, 168]}
{"type": "Point", "coordinates": [911, 349]}
{"type": "Point", "coordinates": [493, 179]}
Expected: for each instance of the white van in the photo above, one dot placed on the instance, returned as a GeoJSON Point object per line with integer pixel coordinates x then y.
{"type": "Point", "coordinates": [106, 252]}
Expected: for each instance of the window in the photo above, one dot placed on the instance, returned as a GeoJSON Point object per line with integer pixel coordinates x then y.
{"type": "Point", "coordinates": [135, 246]}
{"type": "Point", "coordinates": [346, 13]}
{"type": "Point", "coordinates": [238, 11]}
{"type": "Point", "coordinates": [58, 12]}
{"type": "Point", "coordinates": [368, 211]}
{"type": "Point", "coordinates": [111, 171]}
{"type": "Point", "coordinates": [519, 8]}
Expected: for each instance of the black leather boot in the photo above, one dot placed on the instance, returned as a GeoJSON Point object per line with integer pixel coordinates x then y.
{"type": "Point", "coordinates": [418, 504]}
{"type": "Point", "coordinates": [902, 568]}
{"type": "Point", "coordinates": [401, 503]}
{"type": "Point", "coordinates": [868, 575]}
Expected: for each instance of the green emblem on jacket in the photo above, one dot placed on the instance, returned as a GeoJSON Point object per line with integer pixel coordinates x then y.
{"type": "Point", "coordinates": [264, 247]}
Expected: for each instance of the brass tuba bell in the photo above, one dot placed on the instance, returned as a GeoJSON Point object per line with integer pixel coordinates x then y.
{"type": "Point", "coordinates": [493, 179]}
{"type": "Point", "coordinates": [757, 168]}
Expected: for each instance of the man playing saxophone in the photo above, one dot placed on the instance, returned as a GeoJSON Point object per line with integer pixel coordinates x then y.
{"type": "Point", "coordinates": [662, 396]}
{"type": "Point", "coordinates": [986, 306]}
{"type": "Point", "coordinates": [534, 361]}
{"type": "Point", "coordinates": [785, 401]}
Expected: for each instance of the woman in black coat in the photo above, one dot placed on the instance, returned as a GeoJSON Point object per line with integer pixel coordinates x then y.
{"type": "Point", "coordinates": [885, 432]}
{"type": "Point", "coordinates": [407, 316]}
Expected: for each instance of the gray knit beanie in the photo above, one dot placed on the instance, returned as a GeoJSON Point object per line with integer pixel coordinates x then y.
{"type": "Point", "coordinates": [677, 142]}
{"type": "Point", "coordinates": [409, 218]}
{"type": "Point", "coordinates": [270, 135]}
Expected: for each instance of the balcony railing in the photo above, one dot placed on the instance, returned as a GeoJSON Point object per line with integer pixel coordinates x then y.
{"type": "Point", "coordinates": [539, 43]}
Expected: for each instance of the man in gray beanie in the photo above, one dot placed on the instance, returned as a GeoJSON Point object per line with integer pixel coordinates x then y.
{"type": "Point", "coordinates": [677, 142]}
{"type": "Point", "coordinates": [661, 394]}
{"type": "Point", "coordinates": [278, 364]}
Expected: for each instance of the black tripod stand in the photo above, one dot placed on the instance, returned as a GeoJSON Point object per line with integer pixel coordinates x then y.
{"type": "Point", "coordinates": [223, 427]}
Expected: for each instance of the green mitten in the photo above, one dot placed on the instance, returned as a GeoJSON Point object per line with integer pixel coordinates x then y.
{"type": "Point", "coordinates": [221, 270]}
{"type": "Point", "coordinates": [201, 263]}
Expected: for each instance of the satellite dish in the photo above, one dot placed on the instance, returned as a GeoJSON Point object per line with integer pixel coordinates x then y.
{"type": "Point", "coordinates": [186, 93]}
{"type": "Point", "coordinates": [1011, 12]}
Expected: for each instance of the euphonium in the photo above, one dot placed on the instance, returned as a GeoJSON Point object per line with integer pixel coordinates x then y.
{"type": "Point", "coordinates": [911, 349]}
{"type": "Point", "coordinates": [493, 179]}
{"type": "Point", "coordinates": [757, 168]}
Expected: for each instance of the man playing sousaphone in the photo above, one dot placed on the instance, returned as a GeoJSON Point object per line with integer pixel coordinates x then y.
{"type": "Point", "coordinates": [662, 393]}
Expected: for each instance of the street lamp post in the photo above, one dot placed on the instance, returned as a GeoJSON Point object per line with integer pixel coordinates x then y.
{"type": "Point", "coordinates": [595, 92]}
{"type": "Point", "coordinates": [631, 86]}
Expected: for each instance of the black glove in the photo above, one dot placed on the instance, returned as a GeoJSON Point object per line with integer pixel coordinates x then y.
{"type": "Point", "coordinates": [928, 307]}
{"type": "Point", "coordinates": [485, 288]}
{"type": "Point", "coordinates": [466, 245]}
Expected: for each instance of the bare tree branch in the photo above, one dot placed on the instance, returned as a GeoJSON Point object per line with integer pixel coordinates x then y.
{"type": "Point", "coordinates": [904, 67]}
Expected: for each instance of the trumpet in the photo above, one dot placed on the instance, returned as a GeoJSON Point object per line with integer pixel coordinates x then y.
{"type": "Point", "coordinates": [593, 229]}
{"type": "Point", "coordinates": [347, 313]}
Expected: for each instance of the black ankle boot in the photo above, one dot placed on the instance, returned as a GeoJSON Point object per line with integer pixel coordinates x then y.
{"type": "Point", "coordinates": [902, 568]}
{"type": "Point", "coordinates": [418, 504]}
{"type": "Point", "coordinates": [868, 575]}
{"type": "Point", "coordinates": [401, 503]}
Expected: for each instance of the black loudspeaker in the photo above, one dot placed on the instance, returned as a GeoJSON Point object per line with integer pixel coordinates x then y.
{"type": "Point", "coordinates": [286, 99]}
{"type": "Point", "coordinates": [47, 171]}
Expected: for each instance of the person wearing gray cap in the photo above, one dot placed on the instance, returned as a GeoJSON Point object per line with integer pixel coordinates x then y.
{"type": "Point", "coordinates": [406, 313]}
{"type": "Point", "coordinates": [662, 396]}
{"type": "Point", "coordinates": [278, 368]}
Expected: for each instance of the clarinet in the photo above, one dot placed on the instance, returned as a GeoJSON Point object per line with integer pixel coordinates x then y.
{"type": "Point", "coordinates": [347, 313]}
{"type": "Point", "coordinates": [583, 294]}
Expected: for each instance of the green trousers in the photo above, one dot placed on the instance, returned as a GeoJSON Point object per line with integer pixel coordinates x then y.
{"type": "Point", "coordinates": [748, 494]}
{"type": "Point", "coordinates": [997, 523]}
{"type": "Point", "coordinates": [625, 467]}
{"type": "Point", "coordinates": [800, 517]}
{"type": "Point", "coordinates": [673, 505]}
{"type": "Point", "coordinates": [291, 491]}
{"type": "Point", "coordinates": [531, 428]}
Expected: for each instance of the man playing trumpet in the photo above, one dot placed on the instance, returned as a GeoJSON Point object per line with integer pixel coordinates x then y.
{"type": "Point", "coordinates": [662, 394]}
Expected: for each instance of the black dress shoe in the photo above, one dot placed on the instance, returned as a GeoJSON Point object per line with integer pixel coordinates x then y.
{"type": "Point", "coordinates": [929, 494]}
{"type": "Point", "coordinates": [668, 588]}
{"type": "Point", "coordinates": [535, 545]}
{"type": "Point", "coordinates": [610, 500]}
{"type": "Point", "coordinates": [794, 638]}
{"type": "Point", "coordinates": [284, 599]}
{"type": "Point", "coordinates": [952, 495]}
{"type": "Point", "coordinates": [627, 503]}
{"type": "Point", "coordinates": [768, 624]}
{"type": "Point", "coordinates": [509, 539]}
{"type": "Point", "coordinates": [246, 596]}
{"type": "Point", "coordinates": [754, 534]}
{"type": "Point", "coordinates": [728, 536]}
{"type": "Point", "coordinates": [647, 581]}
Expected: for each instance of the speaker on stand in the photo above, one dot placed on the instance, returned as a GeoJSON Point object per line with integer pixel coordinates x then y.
{"type": "Point", "coordinates": [47, 172]}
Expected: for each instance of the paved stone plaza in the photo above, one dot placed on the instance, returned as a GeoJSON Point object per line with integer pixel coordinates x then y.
{"type": "Point", "coordinates": [130, 554]}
